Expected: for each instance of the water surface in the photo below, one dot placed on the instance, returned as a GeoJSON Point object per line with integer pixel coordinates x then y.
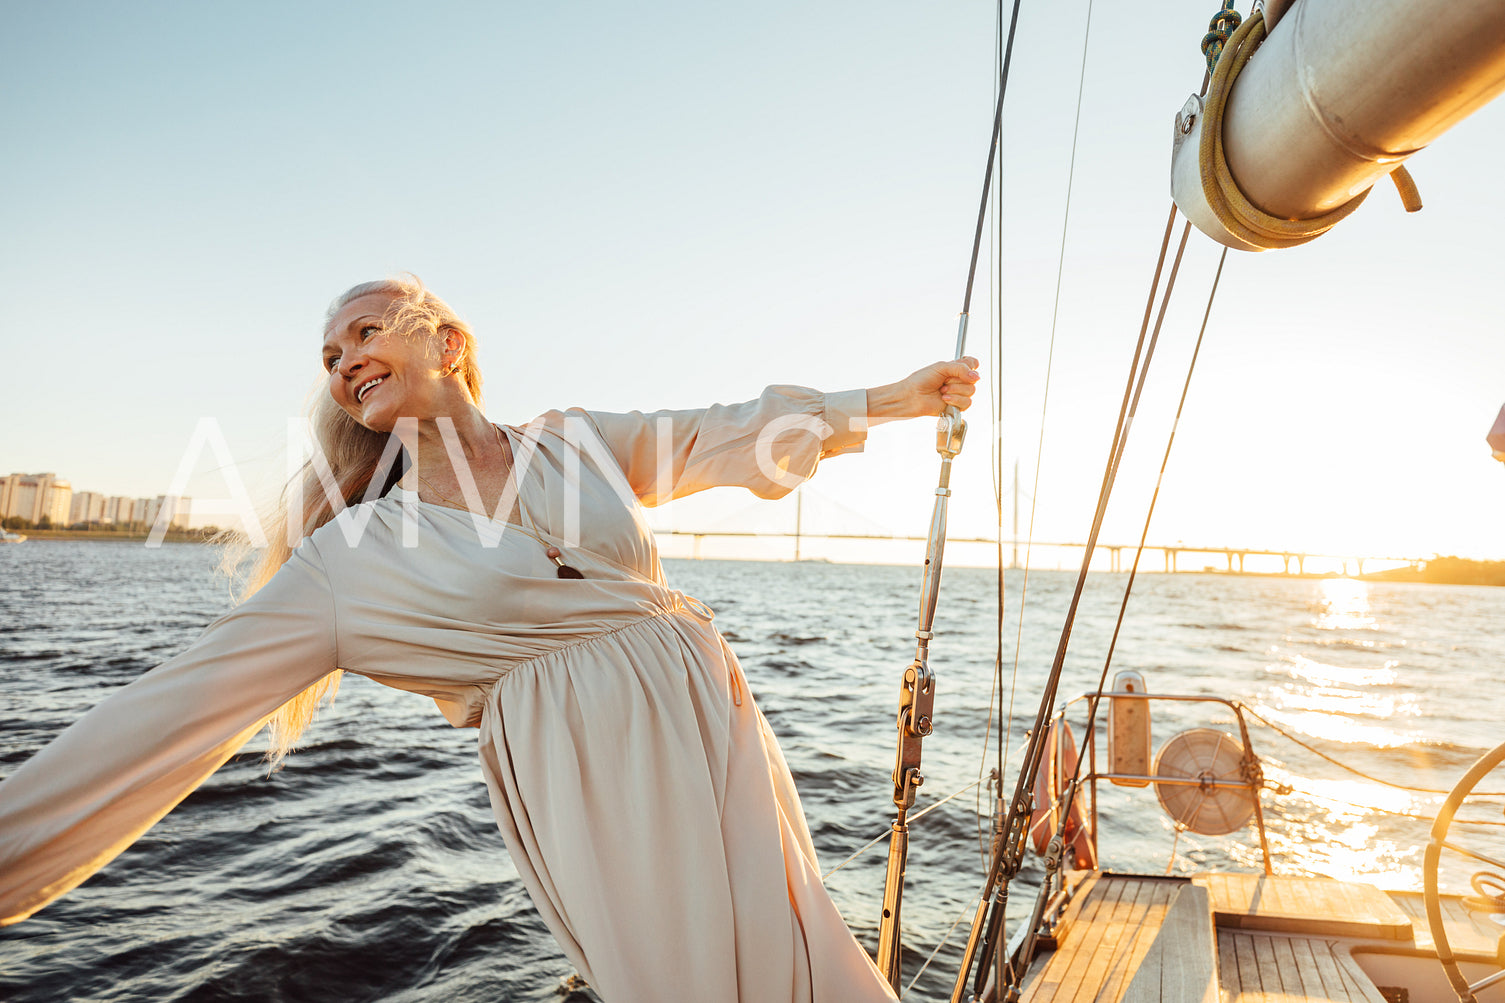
{"type": "Point", "coordinates": [370, 867]}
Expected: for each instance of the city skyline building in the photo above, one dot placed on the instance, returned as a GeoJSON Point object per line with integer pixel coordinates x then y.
{"type": "Point", "coordinates": [45, 496]}
{"type": "Point", "coordinates": [87, 507]}
{"type": "Point", "coordinates": [34, 497]}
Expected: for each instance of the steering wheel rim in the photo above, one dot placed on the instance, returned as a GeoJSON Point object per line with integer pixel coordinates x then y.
{"type": "Point", "coordinates": [1431, 862]}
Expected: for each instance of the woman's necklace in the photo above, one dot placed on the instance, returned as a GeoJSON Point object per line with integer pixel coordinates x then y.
{"type": "Point", "coordinates": [552, 552]}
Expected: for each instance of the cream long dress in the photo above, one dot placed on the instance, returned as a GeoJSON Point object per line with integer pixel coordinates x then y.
{"type": "Point", "coordinates": [641, 793]}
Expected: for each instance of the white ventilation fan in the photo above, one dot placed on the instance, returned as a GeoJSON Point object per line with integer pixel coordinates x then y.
{"type": "Point", "coordinates": [1211, 757]}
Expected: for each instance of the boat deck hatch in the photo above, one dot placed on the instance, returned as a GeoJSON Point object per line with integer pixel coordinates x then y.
{"type": "Point", "coordinates": [1318, 907]}
{"type": "Point", "coordinates": [1258, 967]}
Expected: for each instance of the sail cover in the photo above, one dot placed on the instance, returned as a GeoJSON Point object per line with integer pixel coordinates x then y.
{"type": "Point", "coordinates": [1496, 436]}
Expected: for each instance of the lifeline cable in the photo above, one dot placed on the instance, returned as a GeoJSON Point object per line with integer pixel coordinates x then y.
{"type": "Point", "coordinates": [882, 835]}
{"type": "Point", "coordinates": [1391, 811]}
{"type": "Point", "coordinates": [1357, 772]}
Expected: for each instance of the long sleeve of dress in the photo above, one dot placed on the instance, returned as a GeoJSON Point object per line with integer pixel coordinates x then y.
{"type": "Point", "coordinates": [112, 774]}
{"type": "Point", "coordinates": [769, 445]}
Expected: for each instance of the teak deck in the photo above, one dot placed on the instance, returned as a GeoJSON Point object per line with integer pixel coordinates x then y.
{"type": "Point", "coordinates": [1471, 939]}
{"type": "Point", "coordinates": [1234, 938]}
{"type": "Point", "coordinates": [1255, 967]}
{"type": "Point", "coordinates": [1113, 932]}
{"type": "Point", "coordinates": [1313, 906]}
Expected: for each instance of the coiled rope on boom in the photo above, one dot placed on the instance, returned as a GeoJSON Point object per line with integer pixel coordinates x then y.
{"type": "Point", "coordinates": [1227, 201]}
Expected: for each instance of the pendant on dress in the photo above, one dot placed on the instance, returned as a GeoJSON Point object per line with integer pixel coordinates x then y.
{"type": "Point", "coordinates": [565, 571]}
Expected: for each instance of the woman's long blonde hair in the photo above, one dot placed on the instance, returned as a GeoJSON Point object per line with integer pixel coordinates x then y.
{"type": "Point", "coordinates": [354, 456]}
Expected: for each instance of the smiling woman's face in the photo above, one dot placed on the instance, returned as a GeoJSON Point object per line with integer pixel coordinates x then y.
{"type": "Point", "coordinates": [378, 376]}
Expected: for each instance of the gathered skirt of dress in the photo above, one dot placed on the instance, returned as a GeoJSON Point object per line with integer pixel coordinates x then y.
{"type": "Point", "coordinates": [596, 738]}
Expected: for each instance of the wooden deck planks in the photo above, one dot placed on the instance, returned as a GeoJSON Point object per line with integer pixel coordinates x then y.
{"type": "Point", "coordinates": [1361, 988]}
{"type": "Point", "coordinates": [1083, 914]}
{"type": "Point", "coordinates": [1470, 939]}
{"type": "Point", "coordinates": [1244, 978]}
{"type": "Point", "coordinates": [1101, 941]}
{"type": "Point", "coordinates": [1301, 899]}
{"type": "Point", "coordinates": [1140, 916]}
{"type": "Point", "coordinates": [1270, 968]}
{"type": "Point", "coordinates": [1127, 914]}
{"type": "Point", "coordinates": [1294, 977]}
{"type": "Point", "coordinates": [1136, 924]}
{"type": "Point", "coordinates": [1139, 933]}
{"type": "Point", "coordinates": [1266, 969]}
{"type": "Point", "coordinates": [1324, 969]}
{"type": "Point", "coordinates": [1227, 962]}
{"type": "Point", "coordinates": [1113, 927]}
{"type": "Point", "coordinates": [1181, 961]}
{"type": "Point", "coordinates": [1112, 954]}
{"type": "Point", "coordinates": [1316, 906]}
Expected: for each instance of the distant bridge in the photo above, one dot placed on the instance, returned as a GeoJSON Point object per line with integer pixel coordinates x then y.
{"type": "Point", "coordinates": [1233, 558]}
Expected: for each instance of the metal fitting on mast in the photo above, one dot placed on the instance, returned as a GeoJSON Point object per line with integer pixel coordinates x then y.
{"type": "Point", "coordinates": [917, 692]}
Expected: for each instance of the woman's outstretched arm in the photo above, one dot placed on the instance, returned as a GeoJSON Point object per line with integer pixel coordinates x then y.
{"type": "Point", "coordinates": [772, 444]}
{"type": "Point", "coordinates": [112, 774]}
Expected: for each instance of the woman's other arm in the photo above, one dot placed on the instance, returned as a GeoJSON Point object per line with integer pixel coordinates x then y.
{"type": "Point", "coordinates": [112, 774]}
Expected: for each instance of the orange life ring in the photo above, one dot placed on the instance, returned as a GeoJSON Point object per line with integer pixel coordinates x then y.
{"type": "Point", "coordinates": [1058, 765]}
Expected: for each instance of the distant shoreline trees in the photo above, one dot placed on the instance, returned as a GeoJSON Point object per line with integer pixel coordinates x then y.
{"type": "Point", "coordinates": [105, 530]}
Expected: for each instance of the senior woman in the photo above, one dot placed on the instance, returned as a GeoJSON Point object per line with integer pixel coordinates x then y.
{"type": "Point", "coordinates": [508, 573]}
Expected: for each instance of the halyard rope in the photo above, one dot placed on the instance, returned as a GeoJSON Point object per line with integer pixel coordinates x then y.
{"type": "Point", "coordinates": [1219, 29]}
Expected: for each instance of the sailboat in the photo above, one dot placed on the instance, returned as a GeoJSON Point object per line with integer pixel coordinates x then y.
{"type": "Point", "coordinates": [1307, 105]}
{"type": "Point", "coordinates": [1106, 931]}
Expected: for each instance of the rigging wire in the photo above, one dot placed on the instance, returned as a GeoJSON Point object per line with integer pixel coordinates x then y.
{"type": "Point", "coordinates": [1138, 371]}
{"type": "Point", "coordinates": [917, 693]}
{"type": "Point", "coordinates": [1391, 811]}
{"type": "Point", "coordinates": [987, 174]}
{"type": "Point", "coordinates": [971, 903]}
{"type": "Point", "coordinates": [995, 443]}
{"type": "Point", "coordinates": [1138, 375]}
{"type": "Point", "coordinates": [1003, 51]}
{"type": "Point", "coordinates": [997, 438]}
{"type": "Point", "coordinates": [1031, 766]}
{"type": "Point", "coordinates": [1095, 700]}
{"type": "Point", "coordinates": [1357, 772]}
{"type": "Point", "coordinates": [1006, 722]}
{"type": "Point", "coordinates": [887, 832]}
{"type": "Point", "coordinates": [989, 921]}
{"type": "Point", "coordinates": [1050, 354]}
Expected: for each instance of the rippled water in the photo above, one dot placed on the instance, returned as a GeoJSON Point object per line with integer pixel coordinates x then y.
{"type": "Point", "coordinates": [370, 867]}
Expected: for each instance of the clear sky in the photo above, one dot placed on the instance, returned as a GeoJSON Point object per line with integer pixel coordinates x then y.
{"type": "Point", "coordinates": [666, 204]}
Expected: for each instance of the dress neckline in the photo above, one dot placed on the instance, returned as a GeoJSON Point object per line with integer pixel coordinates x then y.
{"type": "Point", "coordinates": [407, 496]}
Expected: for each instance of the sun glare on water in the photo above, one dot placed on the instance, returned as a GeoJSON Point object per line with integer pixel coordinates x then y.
{"type": "Point", "coordinates": [1344, 605]}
